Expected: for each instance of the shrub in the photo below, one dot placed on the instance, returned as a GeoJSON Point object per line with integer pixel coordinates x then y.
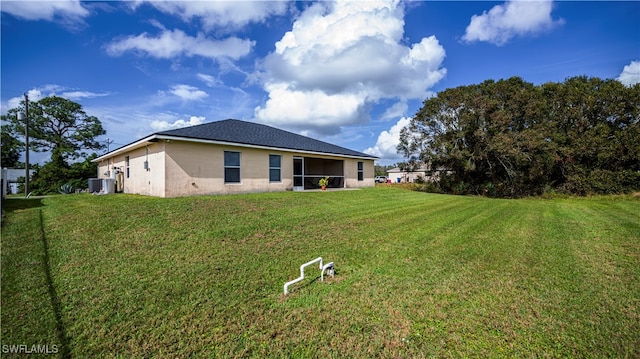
{"type": "Point", "coordinates": [66, 189]}
{"type": "Point", "coordinates": [602, 182]}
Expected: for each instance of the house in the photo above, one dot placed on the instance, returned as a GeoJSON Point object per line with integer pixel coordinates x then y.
{"type": "Point", "coordinates": [419, 174]}
{"type": "Point", "coordinates": [231, 156]}
{"type": "Point", "coordinates": [10, 177]}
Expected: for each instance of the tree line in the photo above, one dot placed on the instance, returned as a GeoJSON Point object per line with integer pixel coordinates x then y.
{"type": "Point", "coordinates": [510, 138]}
{"type": "Point", "coordinates": [62, 128]}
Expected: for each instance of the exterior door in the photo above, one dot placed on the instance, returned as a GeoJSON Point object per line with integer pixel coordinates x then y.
{"type": "Point", "coordinates": [298, 174]}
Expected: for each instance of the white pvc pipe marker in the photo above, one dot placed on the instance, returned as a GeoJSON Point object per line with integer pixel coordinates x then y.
{"type": "Point", "coordinates": [323, 268]}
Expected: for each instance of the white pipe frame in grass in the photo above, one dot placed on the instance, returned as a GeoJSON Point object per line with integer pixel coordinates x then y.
{"type": "Point", "coordinates": [327, 267]}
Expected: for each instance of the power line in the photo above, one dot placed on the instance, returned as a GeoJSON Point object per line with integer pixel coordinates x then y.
{"type": "Point", "coordinates": [108, 141]}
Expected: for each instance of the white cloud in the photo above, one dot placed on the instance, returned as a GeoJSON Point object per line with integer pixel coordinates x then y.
{"type": "Point", "coordinates": [396, 110]}
{"type": "Point", "coordinates": [313, 109]}
{"type": "Point", "coordinates": [171, 44]}
{"type": "Point", "coordinates": [385, 146]}
{"type": "Point", "coordinates": [630, 74]}
{"type": "Point", "coordinates": [166, 125]}
{"type": "Point", "coordinates": [76, 95]}
{"type": "Point", "coordinates": [220, 15]}
{"type": "Point", "coordinates": [37, 94]}
{"type": "Point", "coordinates": [513, 18]}
{"type": "Point", "coordinates": [70, 10]}
{"type": "Point", "coordinates": [33, 95]}
{"type": "Point", "coordinates": [188, 93]}
{"type": "Point", "coordinates": [209, 80]}
{"type": "Point", "coordinates": [339, 59]}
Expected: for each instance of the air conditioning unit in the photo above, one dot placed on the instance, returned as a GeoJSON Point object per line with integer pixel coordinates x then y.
{"type": "Point", "coordinates": [94, 185]}
{"type": "Point", "coordinates": [108, 185]}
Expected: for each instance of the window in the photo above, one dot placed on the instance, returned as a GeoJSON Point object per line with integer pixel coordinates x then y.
{"type": "Point", "coordinates": [126, 165]}
{"type": "Point", "coordinates": [275, 168]}
{"type": "Point", "coordinates": [360, 171]}
{"type": "Point", "coordinates": [231, 167]}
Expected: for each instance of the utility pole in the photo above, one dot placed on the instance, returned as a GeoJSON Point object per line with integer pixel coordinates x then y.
{"type": "Point", "coordinates": [26, 144]}
{"type": "Point", "coordinates": [108, 143]}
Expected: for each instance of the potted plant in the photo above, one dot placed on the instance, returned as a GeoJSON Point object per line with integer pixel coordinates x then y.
{"type": "Point", "coordinates": [323, 182]}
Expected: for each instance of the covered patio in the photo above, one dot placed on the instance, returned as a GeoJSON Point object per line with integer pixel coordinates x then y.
{"type": "Point", "coordinates": [307, 171]}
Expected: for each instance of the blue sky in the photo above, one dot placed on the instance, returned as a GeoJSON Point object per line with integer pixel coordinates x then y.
{"type": "Point", "coordinates": [350, 73]}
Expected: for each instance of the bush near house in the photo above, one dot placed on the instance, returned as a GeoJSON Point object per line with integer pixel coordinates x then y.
{"type": "Point", "coordinates": [417, 275]}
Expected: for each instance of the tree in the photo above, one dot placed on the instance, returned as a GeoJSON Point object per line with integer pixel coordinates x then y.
{"type": "Point", "coordinates": [382, 170]}
{"type": "Point", "coordinates": [61, 127]}
{"type": "Point", "coordinates": [597, 133]}
{"type": "Point", "coordinates": [510, 138]}
{"type": "Point", "coordinates": [81, 171]}
{"type": "Point", "coordinates": [486, 137]}
{"type": "Point", "coordinates": [11, 148]}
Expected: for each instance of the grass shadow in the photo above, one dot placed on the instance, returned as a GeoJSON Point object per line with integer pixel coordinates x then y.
{"type": "Point", "coordinates": [53, 295]}
{"type": "Point", "coordinates": [307, 283]}
{"type": "Point", "coordinates": [10, 205]}
{"type": "Point", "coordinates": [15, 204]}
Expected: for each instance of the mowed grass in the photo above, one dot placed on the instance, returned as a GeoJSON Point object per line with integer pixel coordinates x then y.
{"type": "Point", "coordinates": [417, 275]}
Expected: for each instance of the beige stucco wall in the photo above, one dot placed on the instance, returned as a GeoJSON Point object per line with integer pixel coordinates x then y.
{"type": "Point", "coordinates": [351, 173]}
{"type": "Point", "coordinates": [181, 168]}
{"type": "Point", "coordinates": [197, 169]}
{"type": "Point", "coordinates": [149, 181]}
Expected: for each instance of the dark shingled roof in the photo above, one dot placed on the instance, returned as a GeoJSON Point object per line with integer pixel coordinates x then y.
{"type": "Point", "coordinates": [249, 133]}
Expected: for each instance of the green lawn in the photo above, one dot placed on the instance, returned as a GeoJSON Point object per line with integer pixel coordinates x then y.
{"type": "Point", "coordinates": [417, 275]}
